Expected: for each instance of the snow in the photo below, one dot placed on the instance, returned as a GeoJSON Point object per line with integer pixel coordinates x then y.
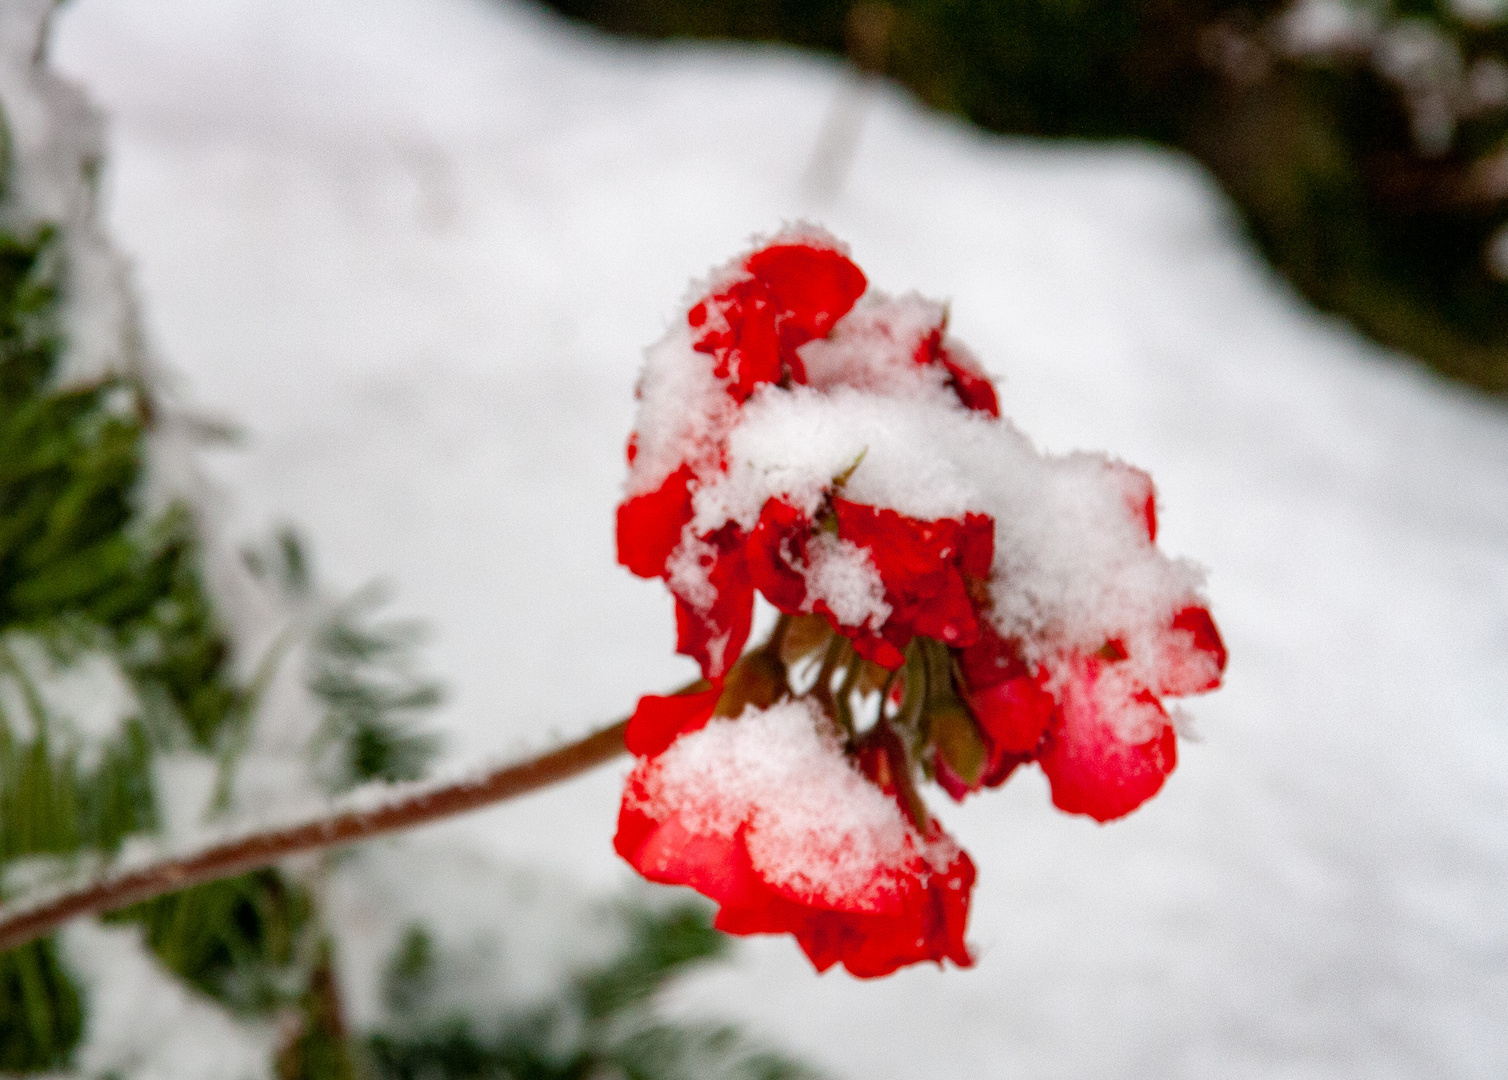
{"type": "Point", "coordinates": [415, 248]}
{"type": "Point", "coordinates": [815, 828]}
{"type": "Point", "coordinates": [1072, 565]}
{"type": "Point", "coordinates": [146, 1024]}
{"type": "Point", "coordinates": [504, 938]}
{"type": "Point", "coordinates": [843, 576]}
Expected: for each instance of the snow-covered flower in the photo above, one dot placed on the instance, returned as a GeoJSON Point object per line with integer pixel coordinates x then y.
{"type": "Point", "coordinates": [954, 604]}
{"type": "Point", "coordinates": [766, 814]}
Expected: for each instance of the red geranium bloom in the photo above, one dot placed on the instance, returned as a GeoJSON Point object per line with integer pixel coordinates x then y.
{"type": "Point", "coordinates": [785, 405]}
{"type": "Point", "coordinates": [1198, 665]}
{"type": "Point", "coordinates": [923, 565]}
{"type": "Point", "coordinates": [777, 551]}
{"type": "Point", "coordinates": [968, 380]}
{"type": "Point", "coordinates": [769, 819]}
{"type": "Point", "coordinates": [1011, 704]}
{"type": "Point", "coordinates": [660, 719]}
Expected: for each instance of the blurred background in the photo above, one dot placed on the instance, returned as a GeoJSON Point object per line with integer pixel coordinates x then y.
{"type": "Point", "coordinates": [297, 297]}
{"type": "Point", "coordinates": [1361, 141]}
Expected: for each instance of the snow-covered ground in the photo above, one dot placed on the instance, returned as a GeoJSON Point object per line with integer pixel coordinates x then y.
{"type": "Point", "coordinates": [414, 248]}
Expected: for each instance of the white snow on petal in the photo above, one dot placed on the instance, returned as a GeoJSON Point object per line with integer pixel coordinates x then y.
{"type": "Point", "coordinates": [684, 411]}
{"type": "Point", "coordinates": [873, 348]}
{"type": "Point", "coordinates": [688, 569]}
{"type": "Point", "coordinates": [844, 577]}
{"type": "Point", "coordinates": [814, 825]}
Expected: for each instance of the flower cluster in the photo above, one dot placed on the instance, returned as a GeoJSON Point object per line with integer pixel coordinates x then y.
{"type": "Point", "coordinates": [952, 604]}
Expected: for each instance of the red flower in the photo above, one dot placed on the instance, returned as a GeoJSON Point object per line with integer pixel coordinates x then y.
{"type": "Point", "coordinates": [736, 327]}
{"type": "Point", "coordinates": [802, 815]}
{"type": "Point", "coordinates": [770, 820]}
{"type": "Point", "coordinates": [970, 383]}
{"type": "Point", "coordinates": [1141, 498]}
{"type": "Point", "coordinates": [810, 288]}
{"type": "Point", "coordinates": [777, 552]}
{"type": "Point", "coordinates": [923, 565]}
{"type": "Point", "coordinates": [1093, 766]}
{"type": "Point", "coordinates": [1197, 666]}
{"type": "Point", "coordinates": [967, 378]}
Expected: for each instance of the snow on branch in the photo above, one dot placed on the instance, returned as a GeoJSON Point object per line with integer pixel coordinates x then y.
{"type": "Point", "coordinates": [368, 812]}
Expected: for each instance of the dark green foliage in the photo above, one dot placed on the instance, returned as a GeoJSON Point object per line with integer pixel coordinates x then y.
{"type": "Point", "coordinates": [74, 554]}
{"type": "Point", "coordinates": [67, 460]}
{"type": "Point", "coordinates": [236, 940]}
{"type": "Point", "coordinates": [51, 805]}
{"type": "Point", "coordinates": [41, 1016]}
{"type": "Point", "coordinates": [602, 1025]}
{"type": "Point", "coordinates": [362, 674]}
{"type": "Point", "coordinates": [170, 645]}
{"type": "Point", "coordinates": [661, 945]}
{"type": "Point", "coordinates": [1317, 153]}
{"type": "Point", "coordinates": [323, 1049]}
{"type": "Point", "coordinates": [83, 571]}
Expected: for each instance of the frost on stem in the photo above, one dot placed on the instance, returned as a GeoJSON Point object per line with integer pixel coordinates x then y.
{"type": "Point", "coordinates": [955, 604]}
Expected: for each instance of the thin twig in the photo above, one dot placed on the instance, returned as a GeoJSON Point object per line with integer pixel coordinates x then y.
{"type": "Point", "coordinates": [240, 855]}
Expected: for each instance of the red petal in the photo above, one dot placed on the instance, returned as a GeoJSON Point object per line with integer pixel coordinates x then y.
{"type": "Point", "coordinates": [715, 637]}
{"type": "Point", "coordinates": [990, 660]}
{"type": "Point", "coordinates": [659, 720]}
{"type": "Point", "coordinates": [778, 537]}
{"type": "Point", "coordinates": [1193, 656]}
{"type": "Point", "coordinates": [874, 649]}
{"type": "Point", "coordinates": [1091, 769]}
{"type": "Point", "coordinates": [947, 615]}
{"type": "Point", "coordinates": [649, 525]}
{"type": "Point", "coordinates": [667, 852]}
{"type": "Point", "coordinates": [1013, 714]}
{"type": "Point", "coordinates": [976, 542]}
{"type": "Point", "coordinates": [930, 926]}
{"type": "Point", "coordinates": [1197, 621]}
{"type": "Point", "coordinates": [929, 349]}
{"type": "Point", "coordinates": [810, 288]}
{"type": "Point", "coordinates": [924, 918]}
{"type": "Point", "coordinates": [744, 345]}
{"type": "Point", "coordinates": [972, 385]}
{"type": "Point", "coordinates": [922, 565]}
{"type": "Point", "coordinates": [1140, 495]}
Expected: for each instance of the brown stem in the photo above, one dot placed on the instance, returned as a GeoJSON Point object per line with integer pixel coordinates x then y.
{"type": "Point", "coordinates": [243, 854]}
{"type": "Point", "coordinates": [776, 640]}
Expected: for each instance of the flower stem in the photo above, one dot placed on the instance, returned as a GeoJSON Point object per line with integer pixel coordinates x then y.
{"type": "Point", "coordinates": [822, 689]}
{"type": "Point", "coordinates": [25, 921]}
{"type": "Point", "coordinates": [845, 694]}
